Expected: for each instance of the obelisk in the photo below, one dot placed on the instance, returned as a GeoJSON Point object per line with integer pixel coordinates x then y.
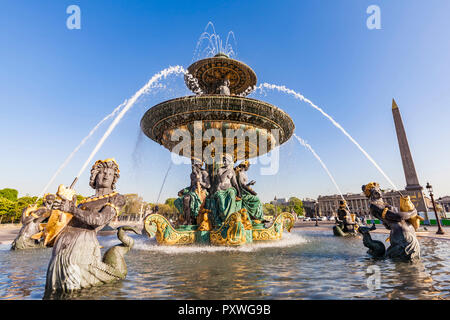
{"type": "Point", "coordinates": [413, 188]}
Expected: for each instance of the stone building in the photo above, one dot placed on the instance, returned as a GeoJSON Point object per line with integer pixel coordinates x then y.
{"type": "Point", "coordinates": [359, 204]}
{"type": "Point", "coordinates": [445, 203]}
{"type": "Point", "coordinates": [309, 206]}
{"type": "Point", "coordinates": [280, 201]}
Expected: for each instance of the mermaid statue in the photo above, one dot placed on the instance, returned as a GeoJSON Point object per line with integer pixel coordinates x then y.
{"type": "Point", "coordinates": [226, 197]}
{"type": "Point", "coordinates": [250, 201]}
{"type": "Point", "coordinates": [76, 261]}
{"type": "Point", "coordinates": [29, 236]}
{"type": "Point", "coordinates": [402, 224]}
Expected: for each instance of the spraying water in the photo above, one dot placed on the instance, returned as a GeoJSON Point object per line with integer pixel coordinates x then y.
{"type": "Point", "coordinates": [289, 240]}
{"type": "Point", "coordinates": [64, 164]}
{"type": "Point", "coordinates": [164, 181]}
{"type": "Point", "coordinates": [129, 103]}
{"type": "Point", "coordinates": [307, 146]}
{"type": "Point", "coordinates": [336, 124]}
{"type": "Point", "coordinates": [214, 44]}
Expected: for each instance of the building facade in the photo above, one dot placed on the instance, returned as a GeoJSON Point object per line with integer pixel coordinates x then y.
{"type": "Point", "coordinates": [309, 207]}
{"type": "Point", "coordinates": [445, 203]}
{"type": "Point", "coordinates": [359, 204]}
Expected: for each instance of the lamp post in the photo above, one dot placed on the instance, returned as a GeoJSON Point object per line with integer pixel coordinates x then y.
{"type": "Point", "coordinates": [275, 204]}
{"type": "Point", "coordinates": [315, 212]}
{"type": "Point", "coordinates": [430, 190]}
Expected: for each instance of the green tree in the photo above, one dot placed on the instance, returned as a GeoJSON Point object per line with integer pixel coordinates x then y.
{"type": "Point", "coordinates": [170, 202]}
{"type": "Point", "coordinates": [168, 211]}
{"type": "Point", "coordinates": [6, 209]}
{"type": "Point", "coordinates": [296, 205]}
{"type": "Point", "coordinates": [268, 209]}
{"type": "Point", "coordinates": [10, 194]}
{"type": "Point", "coordinates": [21, 204]}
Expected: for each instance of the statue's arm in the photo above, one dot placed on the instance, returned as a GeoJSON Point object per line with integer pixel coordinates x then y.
{"type": "Point", "coordinates": [377, 211]}
{"type": "Point", "coordinates": [101, 217]}
{"type": "Point", "coordinates": [95, 218]}
{"type": "Point", "coordinates": [205, 183]}
{"type": "Point", "coordinates": [235, 184]}
{"type": "Point", "coordinates": [246, 186]}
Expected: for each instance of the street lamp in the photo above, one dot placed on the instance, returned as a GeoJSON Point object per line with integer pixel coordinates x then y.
{"type": "Point", "coordinates": [315, 211]}
{"type": "Point", "coordinates": [275, 204]}
{"type": "Point", "coordinates": [430, 190]}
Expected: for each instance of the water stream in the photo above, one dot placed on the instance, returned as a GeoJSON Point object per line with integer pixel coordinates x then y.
{"type": "Point", "coordinates": [307, 146]}
{"type": "Point", "coordinates": [334, 122]}
{"type": "Point", "coordinates": [129, 104]}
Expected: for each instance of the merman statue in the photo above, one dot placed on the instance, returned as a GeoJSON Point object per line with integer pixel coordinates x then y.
{"type": "Point", "coordinates": [76, 260]}
{"type": "Point", "coordinates": [226, 197]}
{"type": "Point", "coordinates": [402, 224]}
{"type": "Point", "coordinates": [376, 248]}
{"type": "Point", "coordinates": [29, 236]}
{"type": "Point", "coordinates": [249, 199]}
{"type": "Point", "coordinates": [192, 198]}
{"type": "Point", "coordinates": [345, 225]}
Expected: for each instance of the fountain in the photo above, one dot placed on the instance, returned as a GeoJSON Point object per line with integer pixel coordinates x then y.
{"type": "Point", "coordinates": [220, 106]}
{"type": "Point", "coordinates": [218, 126]}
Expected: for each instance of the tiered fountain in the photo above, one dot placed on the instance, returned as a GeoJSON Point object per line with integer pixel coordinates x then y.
{"type": "Point", "coordinates": [220, 85]}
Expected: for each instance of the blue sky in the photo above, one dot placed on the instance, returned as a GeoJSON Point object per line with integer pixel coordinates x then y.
{"type": "Point", "coordinates": [56, 84]}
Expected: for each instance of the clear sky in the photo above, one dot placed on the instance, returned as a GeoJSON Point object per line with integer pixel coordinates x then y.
{"type": "Point", "coordinates": [56, 84]}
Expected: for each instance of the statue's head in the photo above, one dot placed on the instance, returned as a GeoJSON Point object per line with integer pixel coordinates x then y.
{"type": "Point", "coordinates": [196, 163]}
{"type": "Point", "coordinates": [104, 174]}
{"type": "Point", "coordinates": [226, 82]}
{"type": "Point", "coordinates": [372, 190]}
{"type": "Point", "coordinates": [342, 203]}
{"type": "Point", "coordinates": [48, 200]}
{"type": "Point", "coordinates": [227, 160]}
{"type": "Point", "coordinates": [244, 165]}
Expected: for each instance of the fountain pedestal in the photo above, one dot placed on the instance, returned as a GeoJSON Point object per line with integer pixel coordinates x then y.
{"type": "Point", "coordinates": [233, 232]}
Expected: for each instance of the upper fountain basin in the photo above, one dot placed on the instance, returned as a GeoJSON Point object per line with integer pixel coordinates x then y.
{"type": "Point", "coordinates": [219, 112]}
{"type": "Point", "coordinates": [207, 74]}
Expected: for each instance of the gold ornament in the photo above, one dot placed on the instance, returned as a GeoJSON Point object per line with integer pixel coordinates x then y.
{"type": "Point", "coordinates": [284, 220]}
{"type": "Point", "coordinates": [406, 204]}
{"type": "Point", "coordinates": [105, 161]}
{"type": "Point", "coordinates": [369, 187]}
{"type": "Point", "coordinates": [166, 234]}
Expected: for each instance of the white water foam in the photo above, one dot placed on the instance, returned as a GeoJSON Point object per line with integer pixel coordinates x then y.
{"type": "Point", "coordinates": [334, 122]}
{"type": "Point", "coordinates": [288, 240]}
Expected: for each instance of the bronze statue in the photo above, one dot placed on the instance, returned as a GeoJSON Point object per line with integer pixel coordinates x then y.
{"type": "Point", "coordinates": [376, 248]}
{"type": "Point", "coordinates": [250, 201]}
{"type": "Point", "coordinates": [192, 198]}
{"type": "Point", "coordinates": [226, 197]}
{"type": "Point", "coordinates": [345, 226]}
{"type": "Point", "coordinates": [29, 236]}
{"type": "Point", "coordinates": [224, 87]}
{"type": "Point", "coordinates": [402, 224]}
{"type": "Point", "coordinates": [76, 261]}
